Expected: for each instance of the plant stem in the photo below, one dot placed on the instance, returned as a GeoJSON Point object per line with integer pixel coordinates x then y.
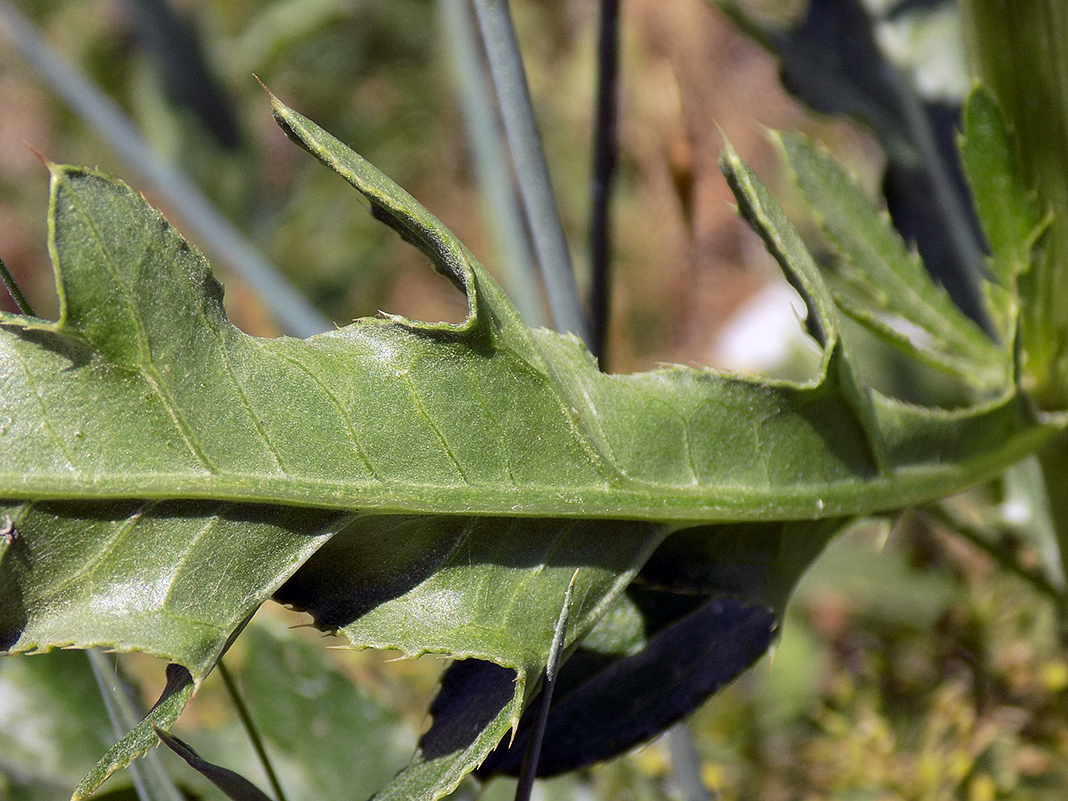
{"type": "Point", "coordinates": [21, 303]}
{"type": "Point", "coordinates": [250, 729]}
{"type": "Point", "coordinates": [151, 780]}
{"type": "Point", "coordinates": [535, 188]}
{"type": "Point", "coordinates": [605, 158]}
{"type": "Point", "coordinates": [492, 169]}
{"type": "Point", "coordinates": [293, 312]}
{"type": "Point", "coordinates": [528, 771]}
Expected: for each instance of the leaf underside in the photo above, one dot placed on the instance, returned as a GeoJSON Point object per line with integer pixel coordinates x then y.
{"type": "Point", "coordinates": [420, 486]}
{"type": "Point", "coordinates": [485, 417]}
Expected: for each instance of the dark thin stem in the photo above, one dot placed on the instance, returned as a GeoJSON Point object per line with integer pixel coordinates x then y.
{"type": "Point", "coordinates": [529, 769]}
{"type": "Point", "coordinates": [605, 158]}
{"type": "Point", "coordinates": [250, 728]}
{"type": "Point", "coordinates": [21, 303]}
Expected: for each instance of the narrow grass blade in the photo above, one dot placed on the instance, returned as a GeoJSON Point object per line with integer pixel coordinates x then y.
{"type": "Point", "coordinates": [543, 217]}
{"type": "Point", "coordinates": [492, 167]}
{"type": "Point", "coordinates": [150, 778]}
{"type": "Point", "coordinates": [292, 311]}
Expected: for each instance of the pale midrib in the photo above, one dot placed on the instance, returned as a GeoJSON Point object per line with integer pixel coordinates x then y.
{"type": "Point", "coordinates": [629, 499]}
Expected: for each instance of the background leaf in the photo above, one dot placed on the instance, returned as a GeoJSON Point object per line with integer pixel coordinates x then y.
{"type": "Point", "coordinates": [885, 285]}
{"type": "Point", "coordinates": [53, 725]}
{"type": "Point", "coordinates": [1005, 206]}
{"type": "Point", "coordinates": [831, 60]}
{"type": "Point", "coordinates": [325, 734]}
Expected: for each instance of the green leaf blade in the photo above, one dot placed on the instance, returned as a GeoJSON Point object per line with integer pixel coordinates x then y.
{"type": "Point", "coordinates": [1004, 205]}
{"type": "Point", "coordinates": [426, 421]}
{"type": "Point", "coordinates": [161, 578]}
{"type": "Point", "coordinates": [888, 281]}
{"type": "Point", "coordinates": [168, 473]}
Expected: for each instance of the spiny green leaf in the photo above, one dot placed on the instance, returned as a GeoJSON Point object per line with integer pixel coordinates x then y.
{"type": "Point", "coordinates": [477, 466]}
{"type": "Point", "coordinates": [470, 587]}
{"type": "Point", "coordinates": [174, 579]}
{"type": "Point", "coordinates": [1021, 59]}
{"type": "Point", "coordinates": [473, 728]}
{"type": "Point", "coordinates": [1003, 203]}
{"type": "Point", "coordinates": [475, 588]}
{"type": "Point", "coordinates": [888, 282]}
{"type": "Point", "coordinates": [412, 417]}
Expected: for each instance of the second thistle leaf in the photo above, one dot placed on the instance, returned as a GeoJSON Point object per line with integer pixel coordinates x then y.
{"type": "Point", "coordinates": [885, 287]}
{"type": "Point", "coordinates": [1003, 203]}
{"type": "Point", "coordinates": [703, 609]}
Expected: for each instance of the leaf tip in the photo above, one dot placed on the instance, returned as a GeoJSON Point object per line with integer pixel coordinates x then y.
{"type": "Point", "coordinates": [981, 95]}
{"type": "Point", "coordinates": [517, 702]}
{"type": "Point", "coordinates": [277, 106]}
{"type": "Point", "coordinates": [44, 159]}
{"type": "Point", "coordinates": [780, 140]}
{"type": "Point", "coordinates": [729, 154]}
{"type": "Point", "coordinates": [288, 120]}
